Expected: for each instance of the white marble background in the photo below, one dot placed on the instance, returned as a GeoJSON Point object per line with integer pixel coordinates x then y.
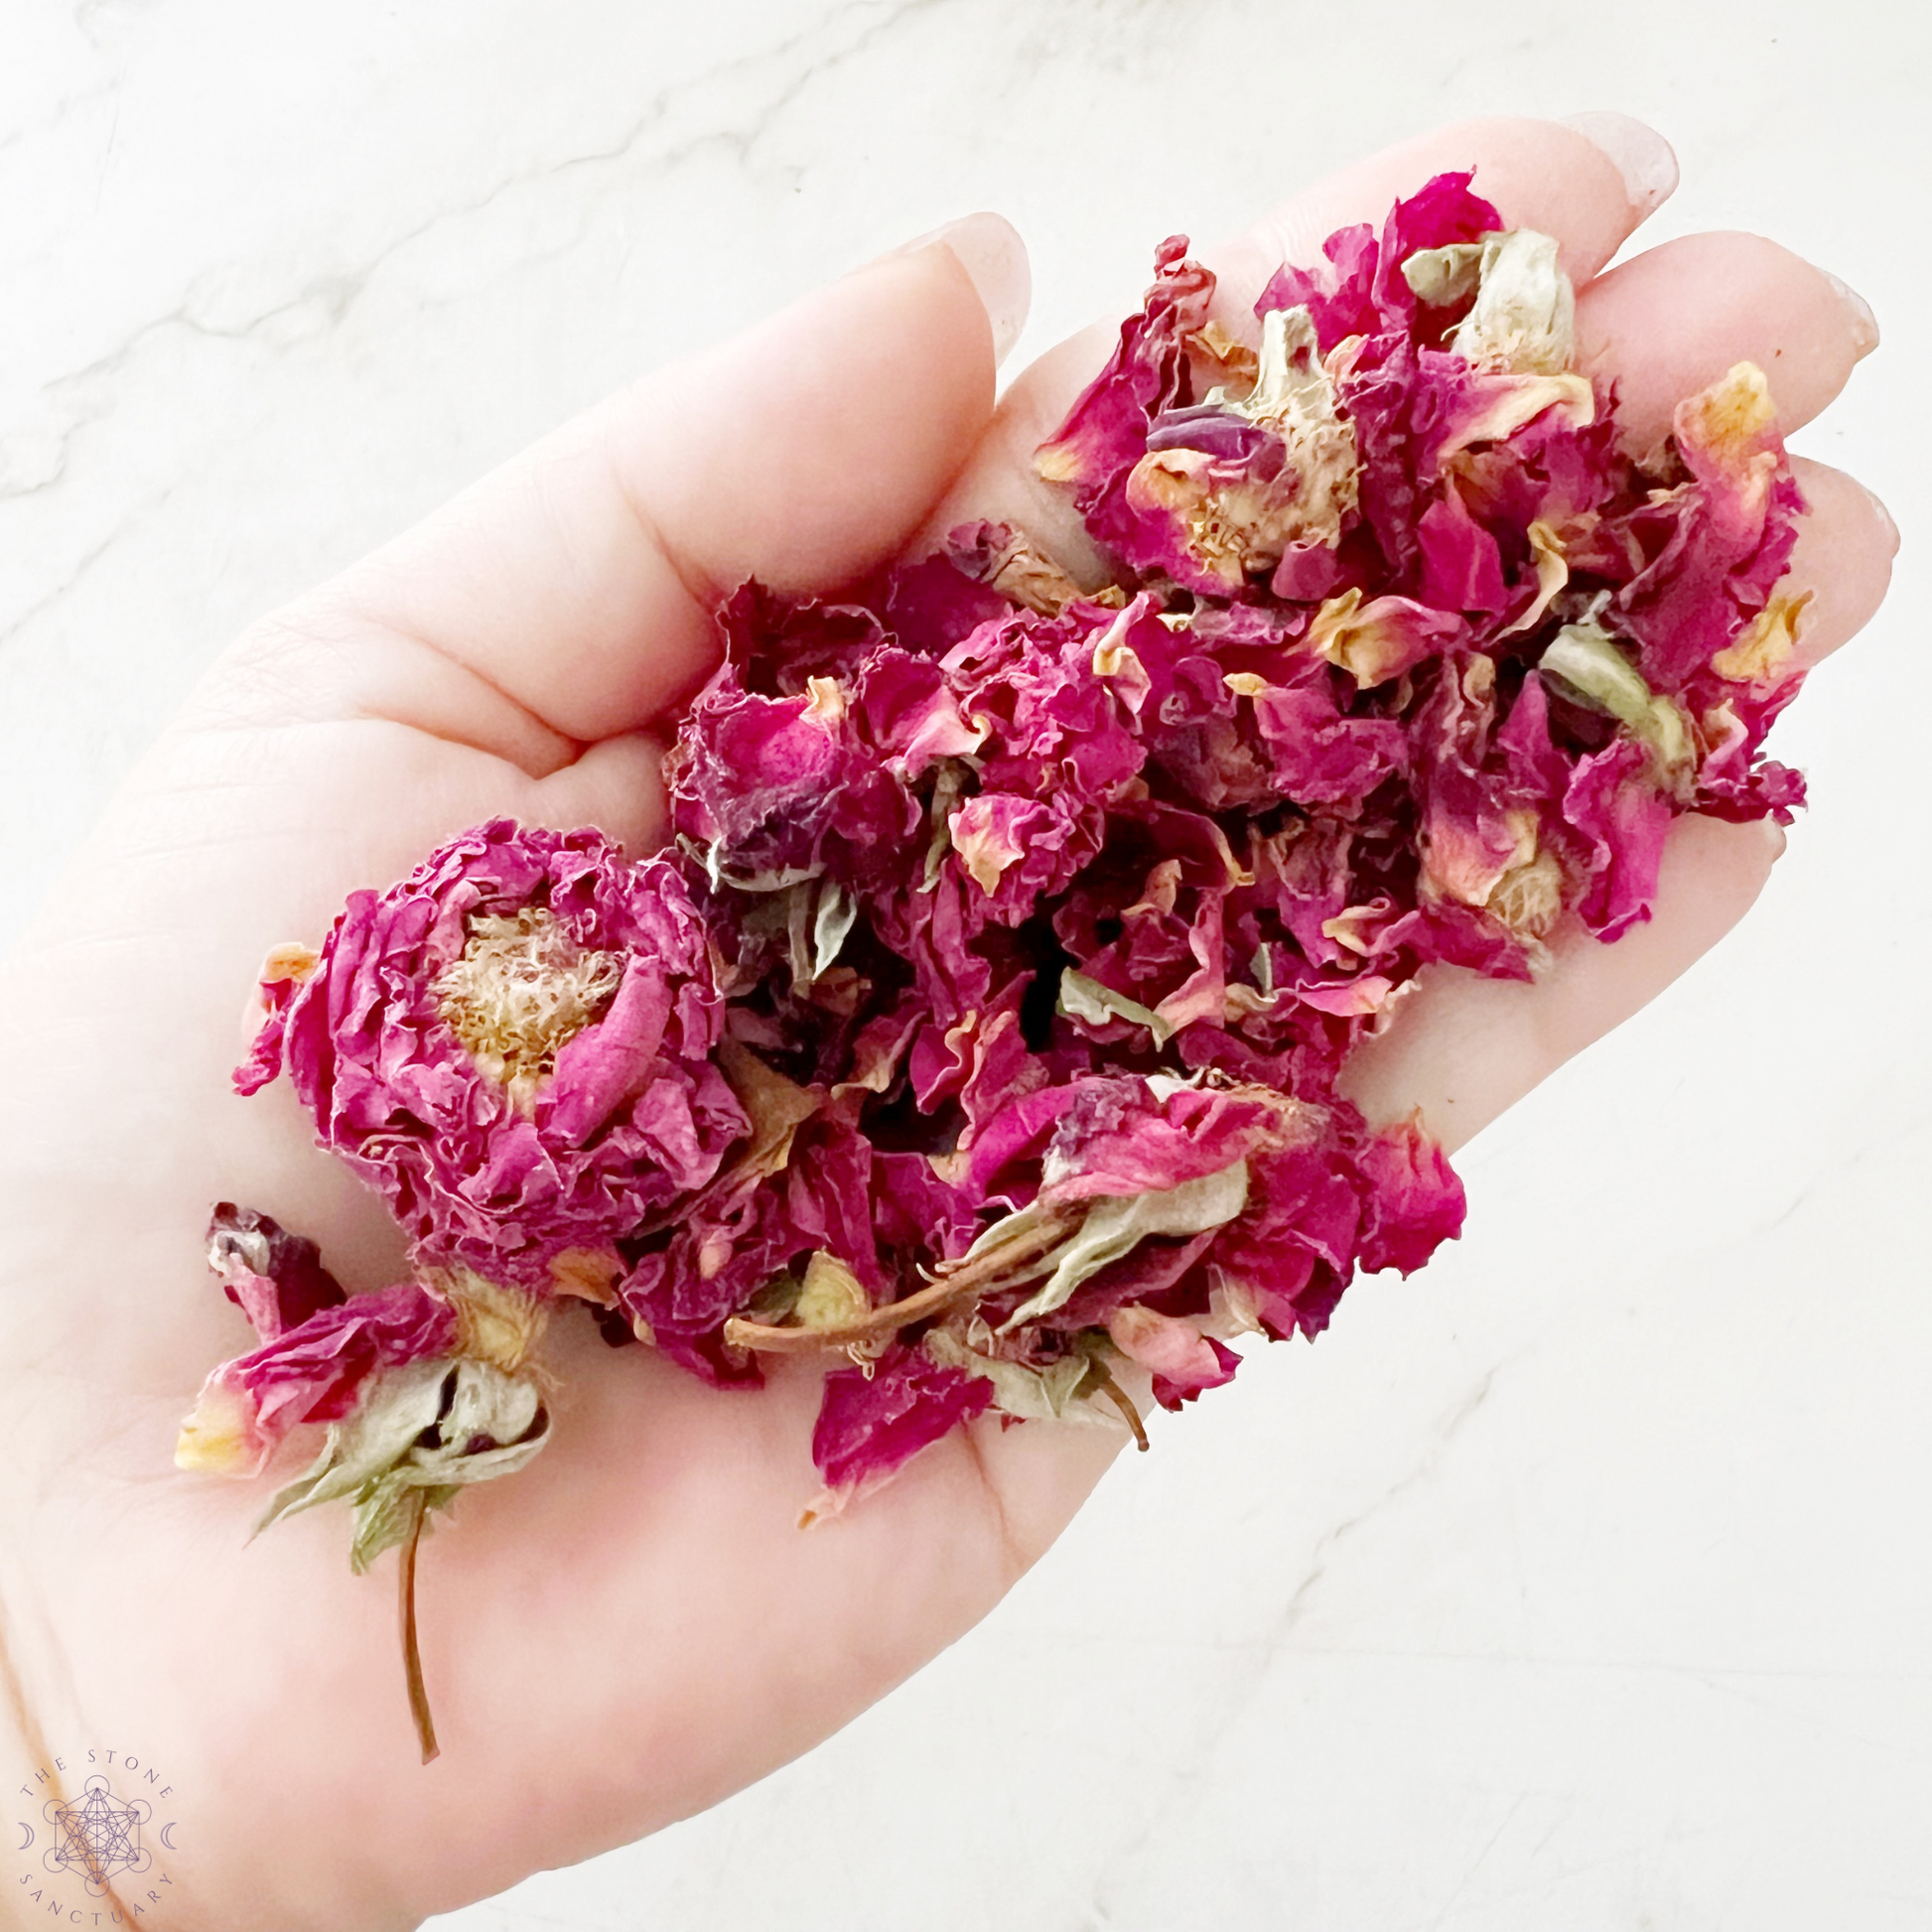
{"type": "Point", "coordinates": [1584, 1581]}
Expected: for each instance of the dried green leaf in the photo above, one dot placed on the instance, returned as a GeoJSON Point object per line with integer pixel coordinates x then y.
{"type": "Point", "coordinates": [1031, 1395]}
{"type": "Point", "coordinates": [1086, 999]}
{"type": "Point", "coordinates": [1117, 1223]}
{"type": "Point", "coordinates": [837, 911]}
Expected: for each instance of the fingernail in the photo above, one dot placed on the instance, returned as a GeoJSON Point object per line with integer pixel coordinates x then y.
{"type": "Point", "coordinates": [988, 248]}
{"type": "Point", "coordinates": [1865, 324]}
{"type": "Point", "coordinates": [1642, 156]}
{"type": "Point", "coordinates": [1885, 517]}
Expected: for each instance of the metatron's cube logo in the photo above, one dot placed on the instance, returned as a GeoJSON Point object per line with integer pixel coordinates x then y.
{"type": "Point", "coordinates": [98, 1837]}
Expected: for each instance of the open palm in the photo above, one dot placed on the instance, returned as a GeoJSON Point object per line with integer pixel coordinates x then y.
{"type": "Point", "coordinates": [634, 1626]}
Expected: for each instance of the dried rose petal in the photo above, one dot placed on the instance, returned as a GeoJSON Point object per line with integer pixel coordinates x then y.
{"type": "Point", "coordinates": [872, 1421]}
{"type": "Point", "coordinates": [275, 1277]}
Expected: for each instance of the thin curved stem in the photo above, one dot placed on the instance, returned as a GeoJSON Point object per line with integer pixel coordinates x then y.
{"type": "Point", "coordinates": [1121, 1401]}
{"type": "Point", "coordinates": [412, 1658]}
{"type": "Point", "coordinates": [966, 1282]}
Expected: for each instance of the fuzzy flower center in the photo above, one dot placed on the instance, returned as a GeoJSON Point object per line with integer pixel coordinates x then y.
{"type": "Point", "coordinates": [521, 989]}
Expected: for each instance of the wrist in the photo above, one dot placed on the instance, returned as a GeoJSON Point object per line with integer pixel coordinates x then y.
{"type": "Point", "coordinates": [35, 1780]}
{"type": "Point", "coordinates": [107, 1761]}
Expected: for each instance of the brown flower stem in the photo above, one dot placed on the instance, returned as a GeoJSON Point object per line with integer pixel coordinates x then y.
{"type": "Point", "coordinates": [412, 1657]}
{"type": "Point", "coordinates": [1120, 1399]}
{"type": "Point", "coordinates": [960, 1284]}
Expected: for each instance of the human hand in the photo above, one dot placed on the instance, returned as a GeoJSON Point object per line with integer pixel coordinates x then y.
{"type": "Point", "coordinates": [639, 1601]}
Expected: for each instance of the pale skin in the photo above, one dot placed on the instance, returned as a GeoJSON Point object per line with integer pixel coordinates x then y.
{"type": "Point", "coordinates": [598, 1632]}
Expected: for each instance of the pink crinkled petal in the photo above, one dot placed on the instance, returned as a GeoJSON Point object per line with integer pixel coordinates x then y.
{"type": "Point", "coordinates": [312, 1373]}
{"type": "Point", "coordinates": [871, 1421]}
{"type": "Point", "coordinates": [1414, 1202]}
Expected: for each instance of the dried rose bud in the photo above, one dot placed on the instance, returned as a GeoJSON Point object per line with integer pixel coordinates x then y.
{"type": "Point", "coordinates": [427, 1388]}
{"type": "Point", "coordinates": [311, 1373]}
{"type": "Point", "coordinates": [274, 1277]}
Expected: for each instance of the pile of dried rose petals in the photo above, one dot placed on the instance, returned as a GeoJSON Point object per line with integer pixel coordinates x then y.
{"type": "Point", "coordinates": [981, 1032]}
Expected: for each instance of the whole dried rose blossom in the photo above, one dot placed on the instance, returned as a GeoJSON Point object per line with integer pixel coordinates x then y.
{"type": "Point", "coordinates": [513, 1046]}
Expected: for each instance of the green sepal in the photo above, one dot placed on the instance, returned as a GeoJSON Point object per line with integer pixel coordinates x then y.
{"type": "Point", "coordinates": [387, 1510]}
{"type": "Point", "coordinates": [1583, 663]}
{"type": "Point", "coordinates": [411, 1433]}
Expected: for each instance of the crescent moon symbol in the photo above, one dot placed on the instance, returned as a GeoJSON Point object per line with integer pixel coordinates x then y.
{"type": "Point", "coordinates": [29, 1839]}
{"type": "Point", "coordinates": [165, 1829]}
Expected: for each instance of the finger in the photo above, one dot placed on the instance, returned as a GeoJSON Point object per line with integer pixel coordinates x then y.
{"type": "Point", "coordinates": [1561, 180]}
{"type": "Point", "coordinates": [577, 584]}
{"type": "Point", "coordinates": [1672, 320]}
{"type": "Point", "coordinates": [1846, 544]}
{"type": "Point", "coordinates": [324, 662]}
{"type": "Point", "coordinates": [618, 785]}
{"type": "Point", "coordinates": [1540, 174]}
{"type": "Point", "coordinates": [1463, 1049]}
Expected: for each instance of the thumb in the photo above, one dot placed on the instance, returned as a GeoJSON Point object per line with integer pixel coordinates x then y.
{"type": "Point", "coordinates": [579, 580]}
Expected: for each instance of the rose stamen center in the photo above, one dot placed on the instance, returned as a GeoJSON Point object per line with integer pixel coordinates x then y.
{"type": "Point", "coordinates": [521, 989]}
